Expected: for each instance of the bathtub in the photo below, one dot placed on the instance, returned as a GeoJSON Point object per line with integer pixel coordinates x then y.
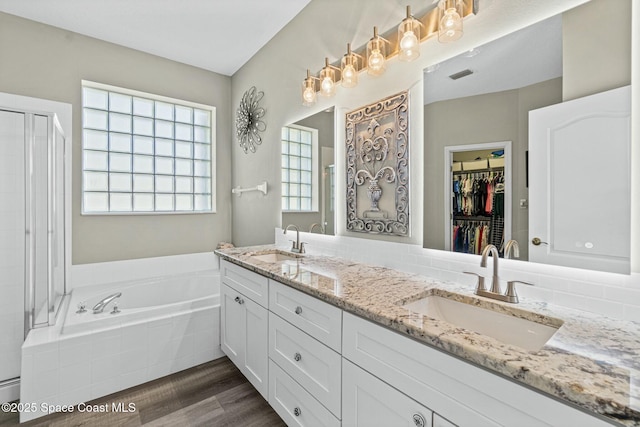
{"type": "Point", "coordinates": [165, 325]}
{"type": "Point", "coordinates": [142, 300]}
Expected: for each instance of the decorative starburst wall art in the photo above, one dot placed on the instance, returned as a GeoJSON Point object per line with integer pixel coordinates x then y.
{"type": "Point", "coordinates": [378, 167]}
{"type": "Point", "coordinates": [249, 121]}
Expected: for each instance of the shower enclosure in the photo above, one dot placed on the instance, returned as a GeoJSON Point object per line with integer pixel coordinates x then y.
{"type": "Point", "coordinates": [32, 231]}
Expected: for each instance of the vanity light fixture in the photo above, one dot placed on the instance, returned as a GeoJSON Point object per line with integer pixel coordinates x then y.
{"type": "Point", "coordinates": [376, 54]}
{"type": "Point", "coordinates": [409, 36]}
{"type": "Point", "coordinates": [349, 67]}
{"type": "Point", "coordinates": [449, 20]}
{"type": "Point", "coordinates": [444, 19]}
{"type": "Point", "coordinates": [309, 90]}
{"type": "Point", "coordinates": [328, 79]}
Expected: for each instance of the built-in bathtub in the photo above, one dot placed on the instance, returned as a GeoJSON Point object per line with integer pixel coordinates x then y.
{"type": "Point", "coordinates": [142, 300]}
{"type": "Point", "coordinates": [165, 325]}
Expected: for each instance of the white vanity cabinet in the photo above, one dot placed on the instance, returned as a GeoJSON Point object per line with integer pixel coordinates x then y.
{"type": "Point", "coordinates": [244, 323]}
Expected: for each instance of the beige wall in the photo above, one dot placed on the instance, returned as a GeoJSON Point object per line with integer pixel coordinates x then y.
{"type": "Point", "coordinates": [500, 116]}
{"type": "Point", "coordinates": [596, 46]}
{"type": "Point", "coordinates": [46, 62]}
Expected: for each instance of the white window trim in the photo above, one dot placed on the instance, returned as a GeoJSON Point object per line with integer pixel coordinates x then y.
{"type": "Point", "coordinates": [315, 161]}
{"type": "Point", "coordinates": [125, 91]}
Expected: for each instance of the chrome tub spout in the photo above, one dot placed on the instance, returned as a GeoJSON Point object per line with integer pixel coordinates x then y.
{"type": "Point", "coordinates": [100, 306]}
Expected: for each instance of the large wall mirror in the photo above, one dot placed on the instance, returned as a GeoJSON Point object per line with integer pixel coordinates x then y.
{"type": "Point", "coordinates": [476, 129]}
{"type": "Point", "coordinates": [308, 173]}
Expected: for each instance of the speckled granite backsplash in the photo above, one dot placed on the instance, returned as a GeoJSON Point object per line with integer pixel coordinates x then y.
{"type": "Point", "coordinates": [592, 361]}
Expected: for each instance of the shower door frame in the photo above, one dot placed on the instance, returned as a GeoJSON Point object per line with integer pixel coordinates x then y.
{"type": "Point", "coordinates": [59, 116]}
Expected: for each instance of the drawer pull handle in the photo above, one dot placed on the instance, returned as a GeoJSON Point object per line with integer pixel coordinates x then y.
{"type": "Point", "coordinates": [297, 412]}
{"type": "Point", "coordinates": [298, 310]}
{"type": "Point", "coordinates": [419, 420]}
{"type": "Point", "coordinates": [239, 300]}
{"type": "Point", "coordinates": [297, 357]}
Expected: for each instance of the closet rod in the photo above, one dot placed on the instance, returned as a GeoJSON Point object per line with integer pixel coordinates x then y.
{"type": "Point", "coordinates": [496, 169]}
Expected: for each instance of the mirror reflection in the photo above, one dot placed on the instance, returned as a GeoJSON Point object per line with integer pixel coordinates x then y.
{"type": "Point", "coordinates": [476, 123]}
{"type": "Point", "coordinates": [308, 173]}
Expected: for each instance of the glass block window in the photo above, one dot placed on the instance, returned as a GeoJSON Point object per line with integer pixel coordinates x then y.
{"type": "Point", "coordinates": [299, 180]}
{"type": "Point", "coordinates": [142, 153]}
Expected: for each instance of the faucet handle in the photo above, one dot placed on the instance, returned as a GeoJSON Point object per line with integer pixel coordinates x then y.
{"type": "Point", "coordinates": [294, 246]}
{"type": "Point", "coordinates": [511, 294]}
{"type": "Point", "coordinates": [480, 286]}
{"type": "Point", "coordinates": [301, 249]}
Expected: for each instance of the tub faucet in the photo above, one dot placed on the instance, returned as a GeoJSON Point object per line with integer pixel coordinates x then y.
{"type": "Point", "coordinates": [511, 247]}
{"type": "Point", "coordinates": [100, 306]}
{"type": "Point", "coordinates": [297, 246]}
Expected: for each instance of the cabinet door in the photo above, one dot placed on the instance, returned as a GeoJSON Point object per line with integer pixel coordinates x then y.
{"type": "Point", "coordinates": [256, 322]}
{"type": "Point", "coordinates": [232, 326]}
{"type": "Point", "coordinates": [244, 336]}
{"type": "Point", "coordinates": [367, 401]}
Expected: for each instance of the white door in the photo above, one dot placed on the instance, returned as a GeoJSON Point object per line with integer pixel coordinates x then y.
{"type": "Point", "coordinates": [579, 182]}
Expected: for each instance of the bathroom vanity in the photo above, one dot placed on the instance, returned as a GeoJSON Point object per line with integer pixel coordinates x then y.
{"type": "Point", "coordinates": [328, 341]}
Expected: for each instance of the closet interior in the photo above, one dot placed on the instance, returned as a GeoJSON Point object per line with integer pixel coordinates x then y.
{"type": "Point", "coordinates": [478, 200]}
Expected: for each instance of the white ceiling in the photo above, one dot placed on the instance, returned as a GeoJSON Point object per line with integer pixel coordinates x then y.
{"type": "Point", "coordinates": [528, 56]}
{"type": "Point", "coordinates": [217, 35]}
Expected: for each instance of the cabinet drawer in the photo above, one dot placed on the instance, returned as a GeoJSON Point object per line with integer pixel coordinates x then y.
{"type": "Point", "coordinates": [312, 364]}
{"type": "Point", "coordinates": [250, 284]}
{"type": "Point", "coordinates": [317, 318]}
{"type": "Point", "coordinates": [294, 404]}
{"type": "Point", "coordinates": [371, 402]}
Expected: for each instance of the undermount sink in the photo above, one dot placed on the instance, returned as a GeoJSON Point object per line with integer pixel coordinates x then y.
{"type": "Point", "coordinates": [275, 257]}
{"type": "Point", "coordinates": [505, 328]}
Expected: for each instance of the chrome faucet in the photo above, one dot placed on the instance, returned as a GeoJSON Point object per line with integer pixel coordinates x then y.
{"type": "Point", "coordinates": [100, 306]}
{"type": "Point", "coordinates": [297, 246]}
{"type": "Point", "coordinates": [314, 225]}
{"type": "Point", "coordinates": [495, 292]}
{"type": "Point", "coordinates": [511, 247]}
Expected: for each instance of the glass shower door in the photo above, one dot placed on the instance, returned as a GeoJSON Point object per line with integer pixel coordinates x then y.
{"type": "Point", "coordinates": [12, 242]}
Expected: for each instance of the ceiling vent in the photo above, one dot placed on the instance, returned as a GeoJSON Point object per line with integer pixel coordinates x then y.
{"type": "Point", "coordinates": [461, 74]}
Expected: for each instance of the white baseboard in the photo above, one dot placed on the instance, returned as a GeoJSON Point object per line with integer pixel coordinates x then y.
{"type": "Point", "coordinates": [135, 269]}
{"type": "Point", "coordinates": [10, 391]}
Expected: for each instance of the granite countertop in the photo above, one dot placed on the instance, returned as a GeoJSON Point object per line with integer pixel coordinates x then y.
{"type": "Point", "coordinates": [592, 361]}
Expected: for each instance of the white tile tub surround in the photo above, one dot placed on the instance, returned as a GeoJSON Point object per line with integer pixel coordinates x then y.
{"type": "Point", "coordinates": [609, 294]}
{"type": "Point", "coordinates": [68, 368]}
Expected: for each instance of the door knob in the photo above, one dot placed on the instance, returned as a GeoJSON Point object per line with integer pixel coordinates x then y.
{"type": "Point", "coordinates": [537, 242]}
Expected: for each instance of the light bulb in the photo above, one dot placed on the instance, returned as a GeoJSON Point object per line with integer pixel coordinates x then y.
{"type": "Point", "coordinates": [409, 47]}
{"type": "Point", "coordinates": [376, 62]}
{"type": "Point", "coordinates": [450, 26]}
{"type": "Point", "coordinates": [409, 41]}
{"type": "Point", "coordinates": [309, 95]}
{"type": "Point", "coordinates": [327, 86]}
{"type": "Point", "coordinates": [349, 76]}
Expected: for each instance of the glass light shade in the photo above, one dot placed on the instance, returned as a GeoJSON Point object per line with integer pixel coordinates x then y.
{"type": "Point", "coordinates": [309, 90]}
{"type": "Point", "coordinates": [327, 80]}
{"type": "Point", "coordinates": [409, 36]}
{"type": "Point", "coordinates": [349, 68]}
{"type": "Point", "coordinates": [450, 20]}
{"type": "Point", "coordinates": [376, 54]}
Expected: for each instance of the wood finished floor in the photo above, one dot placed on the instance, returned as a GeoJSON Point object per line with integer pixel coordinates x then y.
{"type": "Point", "coordinates": [213, 394]}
